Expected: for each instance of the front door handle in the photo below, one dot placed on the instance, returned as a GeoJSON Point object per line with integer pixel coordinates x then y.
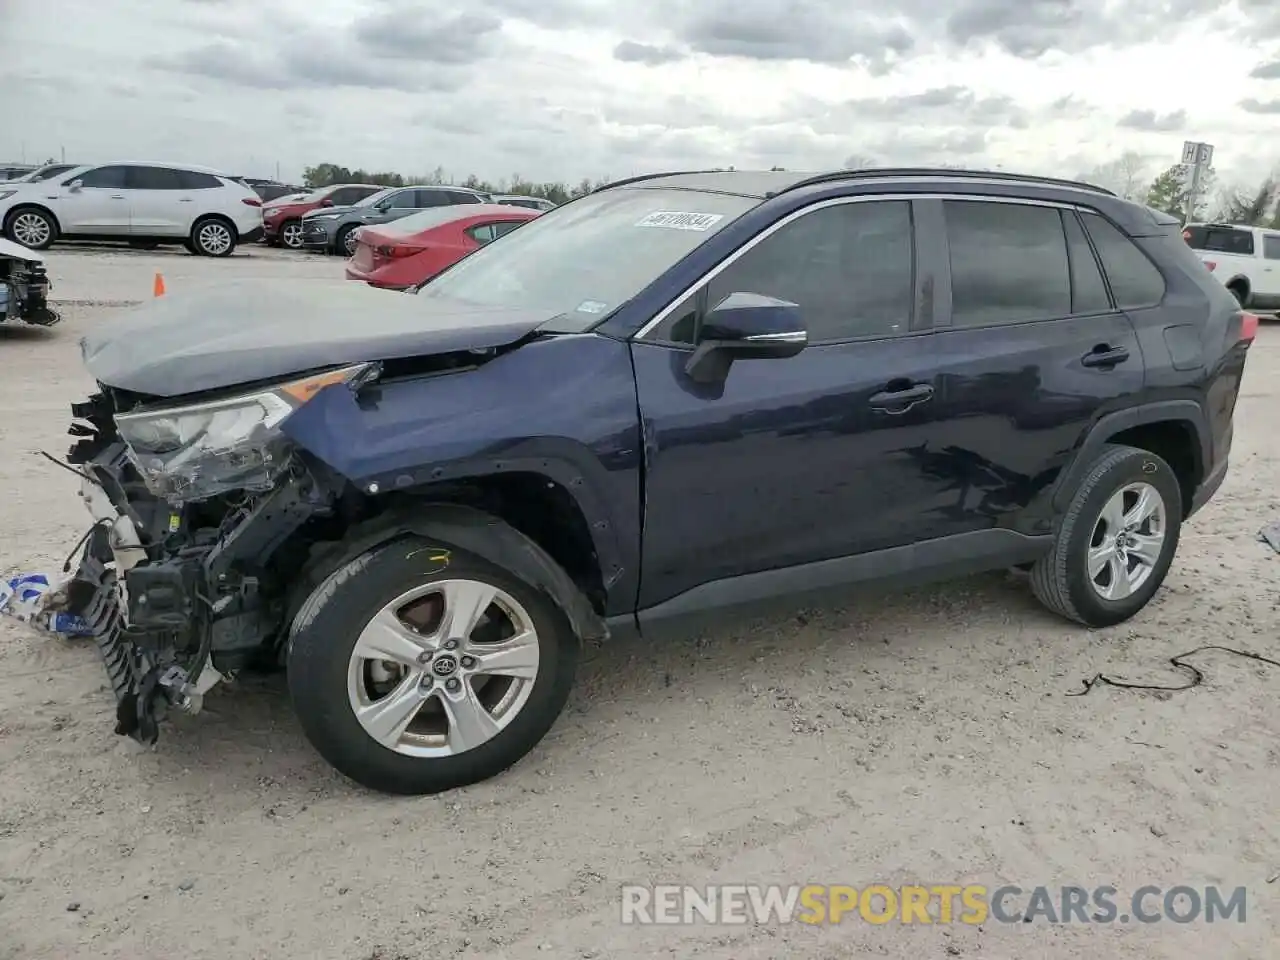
{"type": "Point", "coordinates": [901, 400]}
{"type": "Point", "coordinates": [1105, 355]}
{"type": "Point", "coordinates": [117, 196]}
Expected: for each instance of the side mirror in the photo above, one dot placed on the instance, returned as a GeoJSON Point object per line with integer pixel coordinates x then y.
{"type": "Point", "coordinates": [75, 185]}
{"type": "Point", "coordinates": [746, 326]}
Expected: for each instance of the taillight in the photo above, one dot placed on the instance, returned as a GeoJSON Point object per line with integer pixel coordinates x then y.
{"type": "Point", "coordinates": [397, 250]}
{"type": "Point", "coordinates": [251, 201]}
{"type": "Point", "coordinates": [1248, 327]}
{"type": "Point", "coordinates": [1210, 264]}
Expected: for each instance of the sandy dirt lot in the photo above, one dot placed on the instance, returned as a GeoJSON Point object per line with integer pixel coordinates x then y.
{"type": "Point", "coordinates": [920, 738]}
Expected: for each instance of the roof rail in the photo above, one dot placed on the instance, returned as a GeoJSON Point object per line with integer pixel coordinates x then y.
{"type": "Point", "coordinates": [943, 172]}
{"type": "Point", "coordinates": [652, 176]}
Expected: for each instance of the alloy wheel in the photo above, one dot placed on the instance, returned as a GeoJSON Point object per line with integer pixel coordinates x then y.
{"type": "Point", "coordinates": [291, 235]}
{"type": "Point", "coordinates": [1127, 541]}
{"type": "Point", "coordinates": [214, 238]}
{"type": "Point", "coordinates": [31, 229]}
{"type": "Point", "coordinates": [443, 668]}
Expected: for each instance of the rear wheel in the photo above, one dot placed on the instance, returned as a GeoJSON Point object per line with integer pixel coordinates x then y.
{"type": "Point", "coordinates": [1116, 541]}
{"type": "Point", "coordinates": [416, 669]}
{"type": "Point", "coordinates": [213, 237]}
{"type": "Point", "coordinates": [1240, 292]}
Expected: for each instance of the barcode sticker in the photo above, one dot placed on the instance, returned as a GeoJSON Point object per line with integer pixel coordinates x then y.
{"type": "Point", "coordinates": [677, 220]}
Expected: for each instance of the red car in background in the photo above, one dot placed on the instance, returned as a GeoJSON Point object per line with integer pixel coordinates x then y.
{"type": "Point", "coordinates": [408, 251]}
{"type": "Point", "coordinates": [282, 219]}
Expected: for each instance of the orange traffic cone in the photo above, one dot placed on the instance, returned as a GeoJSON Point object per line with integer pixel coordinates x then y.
{"type": "Point", "coordinates": [157, 288]}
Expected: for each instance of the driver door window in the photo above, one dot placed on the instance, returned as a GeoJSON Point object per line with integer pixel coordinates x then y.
{"type": "Point", "coordinates": [849, 267]}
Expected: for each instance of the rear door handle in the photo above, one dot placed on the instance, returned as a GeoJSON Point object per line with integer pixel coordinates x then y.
{"type": "Point", "coordinates": [1105, 355]}
{"type": "Point", "coordinates": [117, 196]}
{"type": "Point", "coordinates": [903, 399]}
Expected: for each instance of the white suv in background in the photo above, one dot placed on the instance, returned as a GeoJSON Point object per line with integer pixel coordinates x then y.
{"type": "Point", "coordinates": [143, 203]}
{"type": "Point", "coordinates": [1245, 259]}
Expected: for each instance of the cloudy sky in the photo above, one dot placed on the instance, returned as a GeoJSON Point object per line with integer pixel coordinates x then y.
{"type": "Point", "coordinates": [566, 89]}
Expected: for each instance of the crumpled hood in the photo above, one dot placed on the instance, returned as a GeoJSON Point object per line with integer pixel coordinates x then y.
{"type": "Point", "coordinates": [263, 330]}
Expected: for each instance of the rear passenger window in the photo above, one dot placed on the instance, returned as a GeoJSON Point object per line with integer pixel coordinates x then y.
{"type": "Point", "coordinates": [1271, 247]}
{"type": "Point", "coordinates": [849, 267]}
{"type": "Point", "coordinates": [153, 178]}
{"type": "Point", "coordinates": [1219, 240]}
{"type": "Point", "coordinates": [1008, 263]}
{"type": "Point", "coordinates": [1088, 291]}
{"type": "Point", "coordinates": [1135, 281]}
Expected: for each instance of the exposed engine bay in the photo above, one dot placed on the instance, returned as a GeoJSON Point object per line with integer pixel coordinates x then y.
{"type": "Point", "coordinates": [202, 545]}
{"type": "Point", "coordinates": [24, 287]}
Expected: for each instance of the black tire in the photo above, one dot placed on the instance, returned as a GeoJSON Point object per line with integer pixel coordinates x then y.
{"type": "Point", "coordinates": [213, 237]}
{"type": "Point", "coordinates": [320, 651]}
{"type": "Point", "coordinates": [340, 241]}
{"type": "Point", "coordinates": [144, 245]}
{"type": "Point", "coordinates": [33, 214]}
{"type": "Point", "coordinates": [1061, 580]}
{"type": "Point", "coordinates": [1238, 291]}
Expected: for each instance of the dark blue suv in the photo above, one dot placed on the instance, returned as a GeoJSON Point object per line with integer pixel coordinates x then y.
{"type": "Point", "coordinates": [678, 397]}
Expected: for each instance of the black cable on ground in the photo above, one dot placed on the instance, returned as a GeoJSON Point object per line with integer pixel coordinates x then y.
{"type": "Point", "coordinates": [1179, 663]}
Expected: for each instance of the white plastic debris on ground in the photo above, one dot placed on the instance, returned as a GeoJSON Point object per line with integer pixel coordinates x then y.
{"type": "Point", "coordinates": [35, 598]}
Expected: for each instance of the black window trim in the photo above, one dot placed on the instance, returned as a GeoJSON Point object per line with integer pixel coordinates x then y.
{"type": "Point", "coordinates": [916, 323]}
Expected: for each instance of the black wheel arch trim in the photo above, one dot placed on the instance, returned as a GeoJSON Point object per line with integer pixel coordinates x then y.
{"type": "Point", "coordinates": [1099, 435]}
{"type": "Point", "coordinates": [467, 529]}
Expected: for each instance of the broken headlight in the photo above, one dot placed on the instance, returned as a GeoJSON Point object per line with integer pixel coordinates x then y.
{"type": "Point", "coordinates": [205, 449]}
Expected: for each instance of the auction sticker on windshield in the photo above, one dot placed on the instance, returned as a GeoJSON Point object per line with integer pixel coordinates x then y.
{"type": "Point", "coordinates": [677, 220]}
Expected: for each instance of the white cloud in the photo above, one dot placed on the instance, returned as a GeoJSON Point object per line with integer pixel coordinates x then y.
{"type": "Point", "coordinates": [566, 89]}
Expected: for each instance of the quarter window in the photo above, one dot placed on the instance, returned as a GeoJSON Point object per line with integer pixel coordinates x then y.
{"type": "Point", "coordinates": [195, 180]}
{"type": "Point", "coordinates": [1271, 247]}
{"type": "Point", "coordinates": [849, 267]}
{"type": "Point", "coordinates": [1135, 281]}
{"type": "Point", "coordinates": [1008, 263]}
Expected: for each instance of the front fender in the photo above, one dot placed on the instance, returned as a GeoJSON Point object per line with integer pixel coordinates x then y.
{"type": "Point", "coordinates": [563, 407]}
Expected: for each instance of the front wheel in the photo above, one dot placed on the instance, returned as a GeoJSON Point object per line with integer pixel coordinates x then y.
{"type": "Point", "coordinates": [417, 668]}
{"type": "Point", "coordinates": [1116, 540]}
{"type": "Point", "coordinates": [32, 228]}
{"type": "Point", "coordinates": [291, 234]}
{"type": "Point", "coordinates": [345, 243]}
{"type": "Point", "coordinates": [213, 237]}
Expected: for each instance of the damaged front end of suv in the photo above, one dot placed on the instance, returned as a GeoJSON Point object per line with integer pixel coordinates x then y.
{"type": "Point", "coordinates": [192, 570]}
{"type": "Point", "coordinates": [24, 287]}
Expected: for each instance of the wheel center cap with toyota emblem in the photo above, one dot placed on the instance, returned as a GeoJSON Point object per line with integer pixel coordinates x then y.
{"type": "Point", "coordinates": [444, 666]}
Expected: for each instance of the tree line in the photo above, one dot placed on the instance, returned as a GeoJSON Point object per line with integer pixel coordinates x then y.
{"type": "Point", "coordinates": [1255, 204]}
{"type": "Point", "coordinates": [1128, 175]}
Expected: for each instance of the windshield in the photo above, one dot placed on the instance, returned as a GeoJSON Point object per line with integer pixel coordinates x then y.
{"type": "Point", "coordinates": [375, 197]}
{"type": "Point", "coordinates": [585, 259]}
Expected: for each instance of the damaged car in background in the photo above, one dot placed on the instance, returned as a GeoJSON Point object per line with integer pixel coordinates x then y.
{"type": "Point", "coordinates": [24, 286]}
{"type": "Point", "coordinates": [673, 399]}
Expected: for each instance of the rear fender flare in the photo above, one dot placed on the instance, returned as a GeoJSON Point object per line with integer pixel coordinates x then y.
{"type": "Point", "coordinates": [466, 529]}
{"type": "Point", "coordinates": [1184, 411]}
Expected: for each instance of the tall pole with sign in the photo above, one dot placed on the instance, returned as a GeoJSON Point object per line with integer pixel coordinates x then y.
{"type": "Point", "coordinates": [1196, 158]}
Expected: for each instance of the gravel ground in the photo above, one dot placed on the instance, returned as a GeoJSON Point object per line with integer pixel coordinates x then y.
{"type": "Point", "coordinates": [924, 737]}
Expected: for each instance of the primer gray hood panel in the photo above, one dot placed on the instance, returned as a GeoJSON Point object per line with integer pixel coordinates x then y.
{"type": "Point", "coordinates": [262, 330]}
